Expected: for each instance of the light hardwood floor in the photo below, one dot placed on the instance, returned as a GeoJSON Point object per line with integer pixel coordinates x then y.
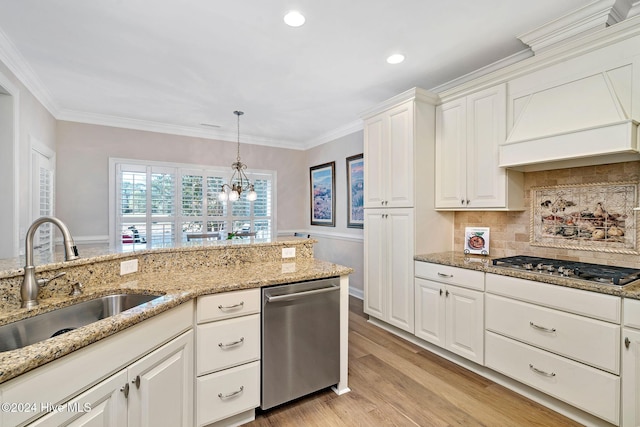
{"type": "Point", "coordinates": [395, 383]}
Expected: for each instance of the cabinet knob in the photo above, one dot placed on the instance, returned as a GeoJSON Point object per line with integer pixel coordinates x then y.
{"type": "Point", "coordinates": [136, 381]}
{"type": "Point", "coordinates": [446, 294]}
{"type": "Point", "coordinates": [462, 202]}
{"type": "Point", "coordinates": [467, 202]}
{"type": "Point", "coordinates": [627, 342]}
{"type": "Point", "coordinates": [125, 390]}
{"type": "Point", "coordinates": [440, 292]}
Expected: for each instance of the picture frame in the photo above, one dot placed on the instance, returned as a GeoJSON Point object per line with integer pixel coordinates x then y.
{"type": "Point", "coordinates": [355, 191]}
{"type": "Point", "coordinates": [323, 194]}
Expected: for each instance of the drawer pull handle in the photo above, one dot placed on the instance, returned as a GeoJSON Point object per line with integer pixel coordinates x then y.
{"type": "Point", "coordinates": [231, 307]}
{"type": "Point", "coordinates": [231, 344]}
{"type": "Point", "coordinates": [448, 276]}
{"type": "Point", "coordinates": [538, 371]}
{"type": "Point", "coordinates": [542, 328]}
{"type": "Point", "coordinates": [232, 394]}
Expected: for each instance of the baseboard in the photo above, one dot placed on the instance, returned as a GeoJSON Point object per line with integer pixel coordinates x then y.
{"type": "Point", "coordinates": [522, 389]}
{"type": "Point", "coordinates": [356, 293]}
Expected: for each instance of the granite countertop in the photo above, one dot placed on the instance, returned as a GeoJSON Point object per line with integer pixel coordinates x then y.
{"type": "Point", "coordinates": [176, 288]}
{"type": "Point", "coordinates": [484, 263]}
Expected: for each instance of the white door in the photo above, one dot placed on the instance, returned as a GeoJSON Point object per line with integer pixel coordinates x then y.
{"type": "Point", "coordinates": [103, 405]}
{"type": "Point", "coordinates": [430, 309]}
{"type": "Point", "coordinates": [486, 125]}
{"type": "Point", "coordinates": [630, 378]}
{"type": "Point", "coordinates": [375, 260]}
{"type": "Point", "coordinates": [43, 164]}
{"type": "Point", "coordinates": [399, 245]}
{"type": "Point", "coordinates": [465, 323]}
{"type": "Point", "coordinates": [451, 148]}
{"type": "Point", "coordinates": [161, 386]}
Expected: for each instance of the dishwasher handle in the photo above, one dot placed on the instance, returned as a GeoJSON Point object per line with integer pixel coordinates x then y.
{"type": "Point", "coordinates": [298, 295]}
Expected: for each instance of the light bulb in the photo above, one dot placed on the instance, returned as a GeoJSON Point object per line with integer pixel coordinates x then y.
{"type": "Point", "coordinates": [252, 196]}
{"type": "Point", "coordinates": [222, 196]}
{"type": "Point", "coordinates": [233, 196]}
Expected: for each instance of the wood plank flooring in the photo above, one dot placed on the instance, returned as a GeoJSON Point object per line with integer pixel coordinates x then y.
{"type": "Point", "coordinates": [395, 383]}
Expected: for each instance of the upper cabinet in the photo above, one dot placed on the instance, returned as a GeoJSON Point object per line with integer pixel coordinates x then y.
{"type": "Point", "coordinates": [469, 131]}
{"type": "Point", "coordinates": [389, 165]}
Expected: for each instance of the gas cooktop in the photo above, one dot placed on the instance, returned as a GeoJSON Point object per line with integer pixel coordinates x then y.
{"type": "Point", "coordinates": [605, 274]}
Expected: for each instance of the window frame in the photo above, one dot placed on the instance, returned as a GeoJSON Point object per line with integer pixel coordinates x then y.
{"type": "Point", "coordinates": [177, 218]}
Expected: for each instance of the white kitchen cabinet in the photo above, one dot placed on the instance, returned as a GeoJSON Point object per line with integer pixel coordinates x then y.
{"type": "Point", "coordinates": [400, 220]}
{"type": "Point", "coordinates": [450, 317]}
{"type": "Point", "coordinates": [388, 266]}
{"type": "Point", "coordinates": [631, 364]}
{"type": "Point", "coordinates": [468, 133]}
{"type": "Point", "coordinates": [161, 386]}
{"type": "Point", "coordinates": [388, 169]}
{"type": "Point", "coordinates": [84, 371]}
{"type": "Point", "coordinates": [228, 357]}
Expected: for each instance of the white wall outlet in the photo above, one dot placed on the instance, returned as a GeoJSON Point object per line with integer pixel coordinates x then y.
{"type": "Point", "coordinates": [288, 267]}
{"type": "Point", "coordinates": [128, 267]}
{"type": "Point", "coordinates": [288, 252]}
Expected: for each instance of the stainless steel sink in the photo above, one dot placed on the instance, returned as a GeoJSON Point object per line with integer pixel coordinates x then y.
{"type": "Point", "coordinates": [47, 325]}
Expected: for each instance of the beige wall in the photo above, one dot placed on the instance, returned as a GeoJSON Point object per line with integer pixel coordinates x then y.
{"type": "Point", "coordinates": [510, 230]}
{"type": "Point", "coordinates": [83, 152]}
{"type": "Point", "coordinates": [338, 244]}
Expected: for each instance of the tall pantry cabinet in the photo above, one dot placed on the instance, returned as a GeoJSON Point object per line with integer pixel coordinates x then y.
{"type": "Point", "coordinates": [400, 220]}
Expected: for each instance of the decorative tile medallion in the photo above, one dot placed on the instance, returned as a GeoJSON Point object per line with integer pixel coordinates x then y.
{"type": "Point", "coordinates": [590, 217]}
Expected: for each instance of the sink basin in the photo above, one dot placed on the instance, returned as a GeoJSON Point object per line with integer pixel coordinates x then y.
{"type": "Point", "coordinates": [47, 325]}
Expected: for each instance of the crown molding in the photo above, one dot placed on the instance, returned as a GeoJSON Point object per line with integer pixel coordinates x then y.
{"type": "Point", "coordinates": [15, 62]}
{"type": "Point", "coordinates": [592, 17]}
{"type": "Point", "coordinates": [582, 45]}
{"type": "Point", "coordinates": [415, 93]}
{"type": "Point", "coordinates": [166, 128]}
{"type": "Point", "coordinates": [344, 130]}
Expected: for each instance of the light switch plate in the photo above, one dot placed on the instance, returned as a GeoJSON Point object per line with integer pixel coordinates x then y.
{"type": "Point", "coordinates": [288, 252]}
{"type": "Point", "coordinates": [128, 267]}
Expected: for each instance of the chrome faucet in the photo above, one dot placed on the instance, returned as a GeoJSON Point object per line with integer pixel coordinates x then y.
{"type": "Point", "coordinates": [29, 289]}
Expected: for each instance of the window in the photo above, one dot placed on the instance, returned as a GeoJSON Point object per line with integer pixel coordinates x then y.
{"type": "Point", "coordinates": [159, 204]}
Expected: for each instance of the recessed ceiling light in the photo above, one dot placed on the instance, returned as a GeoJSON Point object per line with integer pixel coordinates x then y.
{"type": "Point", "coordinates": [395, 58]}
{"type": "Point", "coordinates": [294, 18]}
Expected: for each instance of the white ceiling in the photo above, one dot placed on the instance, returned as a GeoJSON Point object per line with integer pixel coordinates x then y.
{"type": "Point", "coordinates": [171, 65]}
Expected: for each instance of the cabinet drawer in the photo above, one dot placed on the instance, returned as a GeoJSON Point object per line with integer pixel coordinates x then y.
{"type": "Point", "coordinates": [228, 304]}
{"type": "Point", "coordinates": [585, 303]}
{"type": "Point", "coordinates": [227, 393]}
{"type": "Point", "coordinates": [589, 389]}
{"type": "Point", "coordinates": [632, 313]}
{"type": "Point", "coordinates": [227, 343]}
{"type": "Point", "coordinates": [454, 275]}
{"type": "Point", "coordinates": [580, 338]}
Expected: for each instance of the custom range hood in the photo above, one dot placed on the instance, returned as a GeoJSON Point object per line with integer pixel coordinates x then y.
{"type": "Point", "coordinates": [580, 111]}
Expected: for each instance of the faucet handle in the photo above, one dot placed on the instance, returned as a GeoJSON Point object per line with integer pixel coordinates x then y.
{"type": "Point", "coordinates": [76, 289]}
{"type": "Point", "coordinates": [43, 281]}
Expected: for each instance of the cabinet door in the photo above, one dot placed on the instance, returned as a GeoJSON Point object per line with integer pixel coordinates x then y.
{"type": "Point", "coordinates": [630, 378]}
{"type": "Point", "coordinates": [430, 309]}
{"type": "Point", "coordinates": [450, 162]}
{"type": "Point", "coordinates": [375, 170]}
{"type": "Point", "coordinates": [161, 386]}
{"type": "Point", "coordinates": [399, 257]}
{"type": "Point", "coordinates": [103, 405]}
{"type": "Point", "coordinates": [486, 130]}
{"type": "Point", "coordinates": [400, 156]}
{"type": "Point", "coordinates": [375, 270]}
{"type": "Point", "coordinates": [465, 323]}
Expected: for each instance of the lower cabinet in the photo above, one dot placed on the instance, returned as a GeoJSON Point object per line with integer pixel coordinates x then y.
{"type": "Point", "coordinates": [631, 364]}
{"type": "Point", "coordinates": [228, 358]}
{"type": "Point", "coordinates": [450, 317]}
{"type": "Point", "coordinates": [153, 391]}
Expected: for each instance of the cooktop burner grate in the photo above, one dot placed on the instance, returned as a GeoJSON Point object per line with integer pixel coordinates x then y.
{"type": "Point", "coordinates": [608, 274]}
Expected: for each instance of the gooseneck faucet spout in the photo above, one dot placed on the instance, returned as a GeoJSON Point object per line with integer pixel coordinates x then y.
{"type": "Point", "coordinates": [29, 289]}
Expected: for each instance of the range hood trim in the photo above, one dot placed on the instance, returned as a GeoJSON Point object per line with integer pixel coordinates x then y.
{"type": "Point", "coordinates": [613, 138]}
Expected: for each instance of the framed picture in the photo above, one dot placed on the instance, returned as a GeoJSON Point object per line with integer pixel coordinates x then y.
{"type": "Point", "coordinates": [355, 191]}
{"type": "Point", "coordinates": [476, 240]}
{"type": "Point", "coordinates": [323, 194]}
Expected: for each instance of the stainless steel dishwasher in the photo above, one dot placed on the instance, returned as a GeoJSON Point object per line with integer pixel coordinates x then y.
{"type": "Point", "coordinates": [300, 339]}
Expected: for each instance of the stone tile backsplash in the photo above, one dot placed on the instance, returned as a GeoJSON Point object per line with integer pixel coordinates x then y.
{"type": "Point", "coordinates": [510, 230]}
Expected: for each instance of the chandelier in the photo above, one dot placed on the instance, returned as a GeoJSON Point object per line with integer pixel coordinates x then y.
{"type": "Point", "coordinates": [239, 181]}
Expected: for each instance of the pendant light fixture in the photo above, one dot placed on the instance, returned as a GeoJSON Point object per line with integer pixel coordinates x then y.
{"type": "Point", "coordinates": [239, 181]}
